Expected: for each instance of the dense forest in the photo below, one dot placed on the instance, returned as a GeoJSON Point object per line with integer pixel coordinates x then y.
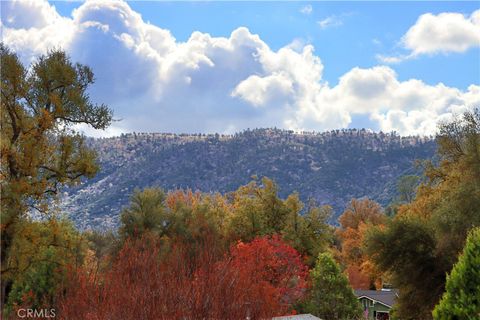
{"type": "Point", "coordinates": [330, 168]}
{"type": "Point", "coordinates": [251, 253]}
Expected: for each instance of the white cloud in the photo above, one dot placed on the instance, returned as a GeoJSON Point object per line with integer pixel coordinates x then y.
{"type": "Point", "coordinates": [443, 33]}
{"type": "Point", "coordinates": [331, 21]}
{"type": "Point", "coordinates": [391, 59]}
{"type": "Point", "coordinates": [263, 91]}
{"type": "Point", "coordinates": [408, 107]}
{"type": "Point", "coordinates": [221, 84]}
{"type": "Point", "coordinates": [307, 9]}
{"type": "Point", "coordinates": [446, 32]}
{"type": "Point", "coordinates": [33, 27]}
{"type": "Point", "coordinates": [27, 14]}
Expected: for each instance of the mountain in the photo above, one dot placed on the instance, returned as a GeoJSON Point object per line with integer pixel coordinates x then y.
{"type": "Point", "coordinates": [330, 167]}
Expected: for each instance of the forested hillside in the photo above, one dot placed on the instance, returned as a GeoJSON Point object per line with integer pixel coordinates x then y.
{"type": "Point", "coordinates": [331, 167]}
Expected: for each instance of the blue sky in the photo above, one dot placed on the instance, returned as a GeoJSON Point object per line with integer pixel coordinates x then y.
{"type": "Point", "coordinates": [404, 66]}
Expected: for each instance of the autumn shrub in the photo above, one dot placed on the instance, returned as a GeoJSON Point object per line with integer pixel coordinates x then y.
{"type": "Point", "coordinates": [257, 280]}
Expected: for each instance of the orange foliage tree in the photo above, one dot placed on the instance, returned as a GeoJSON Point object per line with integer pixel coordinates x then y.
{"type": "Point", "coordinates": [354, 223]}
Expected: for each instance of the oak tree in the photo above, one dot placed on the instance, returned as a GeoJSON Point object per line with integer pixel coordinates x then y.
{"type": "Point", "coordinates": [40, 149]}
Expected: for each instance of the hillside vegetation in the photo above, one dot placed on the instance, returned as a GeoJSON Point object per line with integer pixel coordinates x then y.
{"type": "Point", "coordinates": [331, 167]}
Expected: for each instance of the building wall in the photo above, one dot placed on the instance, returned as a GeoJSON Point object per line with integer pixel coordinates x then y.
{"type": "Point", "coordinates": [372, 307]}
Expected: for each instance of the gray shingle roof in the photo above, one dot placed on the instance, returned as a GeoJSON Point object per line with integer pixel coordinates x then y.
{"type": "Point", "coordinates": [385, 297]}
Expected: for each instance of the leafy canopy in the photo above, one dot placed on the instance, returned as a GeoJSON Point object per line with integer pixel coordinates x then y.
{"type": "Point", "coordinates": [422, 242]}
{"type": "Point", "coordinates": [40, 107]}
{"type": "Point", "coordinates": [360, 216]}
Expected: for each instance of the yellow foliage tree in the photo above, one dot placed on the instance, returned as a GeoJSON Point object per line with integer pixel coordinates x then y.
{"type": "Point", "coordinates": [40, 150]}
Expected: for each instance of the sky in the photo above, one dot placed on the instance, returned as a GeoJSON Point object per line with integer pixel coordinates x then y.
{"type": "Point", "coordinates": [190, 67]}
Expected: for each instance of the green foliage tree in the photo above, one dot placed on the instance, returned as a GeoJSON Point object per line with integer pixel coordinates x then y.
{"type": "Point", "coordinates": [41, 254]}
{"type": "Point", "coordinates": [406, 188]}
{"type": "Point", "coordinates": [196, 220]}
{"type": "Point", "coordinates": [257, 210]}
{"type": "Point", "coordinates": [462, 297]}
{"type": "Point", "coordinates": [309, 233]}
{"type": "Point", "coordinates": [177, 217]}
{"type": "Point", "coordinates": [406, 250]}
{"type": "Point", "coordinates": [421, 244]}
{"type": "Point", "coordinates": [146, 213]}
{"type": "Point", "coordinates": [40, 150]}
{"type": "Point", "coordinates": [240, 215]}
{"type": "Point", "coordinates": [330, 295]}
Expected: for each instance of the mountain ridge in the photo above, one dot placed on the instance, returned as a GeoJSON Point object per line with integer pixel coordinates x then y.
{"type": "Point", "coordinates": [330, 167]}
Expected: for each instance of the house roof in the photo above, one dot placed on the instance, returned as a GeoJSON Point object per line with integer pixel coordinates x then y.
{"type": "Point", "coordinates": [385, 297]}
{"type": "Point", "coordinates": [297, 317]}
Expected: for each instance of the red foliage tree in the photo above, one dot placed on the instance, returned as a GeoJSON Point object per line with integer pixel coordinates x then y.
{"type": "Point", "coordinates": [256, 280]}
{"type": "Point", "coordinates": [272, 265]}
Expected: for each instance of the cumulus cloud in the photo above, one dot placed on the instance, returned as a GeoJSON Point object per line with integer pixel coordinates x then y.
{"type": "Point", "coordinates": [27, 14]}
{"type": "Point", "coordinates": [31, 27]}
{"type": "Point", "coordinates": [220, 84]}
{"type": "Point", "coordinates": [443, 33]}
{"type": "Point", "coordinates": [408, 107]}
{"type": "Point", "coordinates": [446, 32]}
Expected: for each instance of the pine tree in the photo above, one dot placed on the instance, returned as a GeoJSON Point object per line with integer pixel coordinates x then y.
{"type": "Point", "coordinates": [146, 213]}
{"type": "Point", "coordinates": [330, 296]}
{"type": "Point", "coordinates": [462, 297]}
